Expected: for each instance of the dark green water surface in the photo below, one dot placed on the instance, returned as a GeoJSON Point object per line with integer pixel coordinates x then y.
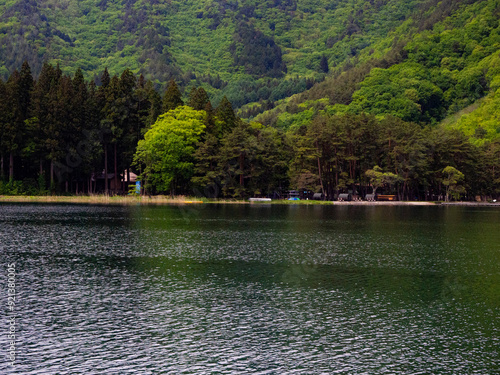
{"type": "Point", "coordinates": [239, 289]}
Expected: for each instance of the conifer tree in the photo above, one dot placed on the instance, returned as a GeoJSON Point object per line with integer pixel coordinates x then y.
{"type": "Point", "coordinates": [172, 98]}
{"type": "Point", "coordinates": [19, 88]}
{"type": "Point", "coordinates": [225, 114]}
{"type": "Point", "coordinates": [323, 64]}
{"type": "Point", "coordinates": [198, 98]}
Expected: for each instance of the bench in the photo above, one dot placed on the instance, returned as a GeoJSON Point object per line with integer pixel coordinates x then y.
{"type": "Point", "coordinates": [386, 197]}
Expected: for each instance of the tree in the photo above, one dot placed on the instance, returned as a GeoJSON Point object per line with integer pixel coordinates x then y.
{"type": "Point", "coordinates": [380, 179]}
{"type": "Point", "coordinates": [452, 179]}
{"type": "Point", "coordinates": [198, 98]}
{"type": "Point", "coordinates": [207, 159]}
{"type": "Point", "coordinates": [252, 160]}
{"type": "Point", "coordinates": [172, 98]}
{"type": "Point", "coordinates": [119, 119]}
{"type": "Point", "coordinates": [225, 114]}
{"type": "Point", "coordinates": [19, 86]}
{"type": "Point", "coordinates": [40, 112]}
{"type": "Point", "coordinates": [238, 149]}
{"type": "Point", "coordinates": [323, 64]}
{"type": "Point", "coordinates": [167, 151]}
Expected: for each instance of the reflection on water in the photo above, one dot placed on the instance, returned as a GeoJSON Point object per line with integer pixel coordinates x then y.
{"type": "Point", "coordinates": [251, 289]}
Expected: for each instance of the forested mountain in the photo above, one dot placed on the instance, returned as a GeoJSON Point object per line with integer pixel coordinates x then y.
{"type": "Point", "coordinates": [247, 50]}
{"type": "Point", "coordinates": [433, 68]}
{"type": "Point", "coordinates": [260, 52]}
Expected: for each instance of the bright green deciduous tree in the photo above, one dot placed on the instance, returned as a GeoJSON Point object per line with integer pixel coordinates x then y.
{"type": "Point", "coordinates": [166, 152]}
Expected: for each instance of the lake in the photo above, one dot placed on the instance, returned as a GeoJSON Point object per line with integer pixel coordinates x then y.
{"type": "Point", "coordinates": [251, 289]}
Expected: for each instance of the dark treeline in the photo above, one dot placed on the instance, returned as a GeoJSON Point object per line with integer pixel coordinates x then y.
{"type": "Point", "coordinates": [63, 134]}
{"type": "Point", "coordinates": [60, 133]}
{"type": "Point", "coordinates": [355, 154]}
{"type": "Point", "coordinates": [359, 154]}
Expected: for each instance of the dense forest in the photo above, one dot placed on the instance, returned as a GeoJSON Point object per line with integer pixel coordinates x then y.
{"type": "Point", "coordinates": [61, 133]}
{"type": "Point", "coordinates": [425, 77]}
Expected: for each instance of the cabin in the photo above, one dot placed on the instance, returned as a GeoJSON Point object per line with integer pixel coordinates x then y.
{"type": "Point", "coordinates": [345, 197]}
{"type": "Point", "coordinates": [122, 187]}
{"type": "Point", "coordinates": [318, 197]}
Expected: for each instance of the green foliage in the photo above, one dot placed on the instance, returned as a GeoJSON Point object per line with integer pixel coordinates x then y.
{"type": "Point", "coordinates": [74, 131]}
{"type": "Point", "coordinates": [434, 66]}
{"type": "Point", "coordinates": [11, 188]}
{"type": "Point", "coordinates": [212, 42]}
{"type": "Point", "coordinates": [452, 179]}
{"type": "Point", "coordinates": [257, 53]}
{"type": "Point", "coordinates": [380, 179]}
{"type": "Point", "coordinates": [249, 160]}
{"type": "Point", "coordinates": [166, 152]}
{"type": "Point", "coordinates": [481, 122]}
{"type": "Point", "coordinates": [226, 118]}
{"type": "Point", "coordinates": [172, 98]}
{"type": "Point", "coordinates": [28, 186]}
{"type": "Point", "coordinates": [198, 98]}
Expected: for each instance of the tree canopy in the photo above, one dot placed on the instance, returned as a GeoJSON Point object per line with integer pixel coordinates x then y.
{"type": "Point", "coordinates": [166, 152]}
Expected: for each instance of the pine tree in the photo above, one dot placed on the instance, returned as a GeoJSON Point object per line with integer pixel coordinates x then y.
{"type": "Point", "coordinates": [225, 114]}
{"type": "Point", "coordinates": [105, 78]}
{"type": "Point", "coordinates": [198, 98]}
{"type": "Point", "coordinates": [39, 114]}
{"type": "Point", "coordinates": [323, 64]}
{"type": "Point", "coordinates": [18, 88]}
{"type": "Point", "coordinates": [172, 98]}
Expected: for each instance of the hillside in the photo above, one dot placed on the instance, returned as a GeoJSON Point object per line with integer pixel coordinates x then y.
{"type": "Point", "coordinates": [429, 72]}
{"type": "Point", "coordinates": [246, 50]}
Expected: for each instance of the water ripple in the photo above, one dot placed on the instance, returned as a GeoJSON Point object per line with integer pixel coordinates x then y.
{"type": "Point", "coordinates": [102, 291]}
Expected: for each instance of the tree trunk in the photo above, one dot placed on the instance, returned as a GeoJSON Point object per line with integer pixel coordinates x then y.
{"type": "Point", "coordinates": [11, 166]}
{"type": "Point", "coordinates": [320, 179]}
{"type": "Point", "coordinates": [105, 169]}
{"type": "Point", "coordinates": [51, 176]}
{"type": "Point", "coordinates": [242, 166]}
{"type": "Point", "coordinates": [41, 166]}
{"type": "Point", "coordinates": [116, 171]}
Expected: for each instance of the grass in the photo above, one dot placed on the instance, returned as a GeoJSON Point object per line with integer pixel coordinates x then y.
{"type": "Point", "coordinates": [163, 199]}
{"type": "Point", "coordinates": [117, 199]}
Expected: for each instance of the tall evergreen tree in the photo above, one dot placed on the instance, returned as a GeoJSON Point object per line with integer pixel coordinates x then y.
{"type": "Point", "coordinates": [130, 123]}
{"type": "Point", "coordinates": [19, 88]}
{"type": "Point", "coordinates": [198, 98]}
{"type": "Point", "coordinates": [103, 97]}
{"type": "Point", "coordinates": [172, 98]}
{"type": "Point", "coordinates": [323, 64]}
{"type": "Point", "coordinates": [225, 114]}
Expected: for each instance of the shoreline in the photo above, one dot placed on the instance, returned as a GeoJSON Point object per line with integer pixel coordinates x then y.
{"type": "Point", "coordinates": [166, 200]}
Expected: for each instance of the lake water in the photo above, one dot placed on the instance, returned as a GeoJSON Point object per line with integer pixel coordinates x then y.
{"type": "Point", "coordinates": [239, 289]}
